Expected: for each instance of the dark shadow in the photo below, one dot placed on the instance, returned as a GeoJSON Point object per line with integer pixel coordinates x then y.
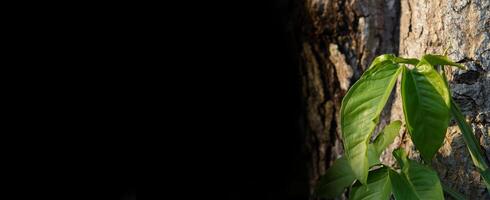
{"type": "Point", "coordinates": [267, 161]}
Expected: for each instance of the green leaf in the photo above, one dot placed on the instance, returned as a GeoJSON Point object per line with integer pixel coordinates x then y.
{"type": "Point", "coordinates": [453, 193]}
{"type": "Point", "coordinates": [387, 136]}
{"type": "Point", "coordinates": [412, 61]}
{"type": "Point", "coordinates": [378, 186]}
{"type": "Point", "coordinates": [472, 143]}
{"type": "Point", "coordinates": [373, 155]}
{"type": "Point", "coordinates": [384, 138]}
{"type": "Point", "coordinates": [380, 59]}
{"type": "Point", "coordinates": [336, 179]}
{"type": "Point", "coordinates": [402, 158]}
{"type": "Point", "coordinates": [426, 104]}
{"type": "Point", "coordinates": [486, 178]}
{"type": "Point", "coordinates": [416, 181]}
{"type": "Point", "coordinates": [393, 58]}
{"type": "Point", "coordinates": [340, 175]}
{"type": "Point", "coordinates": [360, 112]}
{"type": "Point", "coordinates": [401, 187]}
{"type": "Point", "coordinates": [439, 60]}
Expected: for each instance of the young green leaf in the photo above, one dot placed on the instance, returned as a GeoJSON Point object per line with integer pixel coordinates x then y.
{"type": "Point", "coordinates": [486, 177]}
{"type": "Point", "coordinates": [382, 141]}
{"type": "Point", "coordinates": [402, 190]}
{"type": "Point", "coordinates": [415, 181]}
{"type": "Point", "coordinates": [360, 112]}
{"type": "Point", "coordinates": [412, 61]}
{"type": "Point", "coordinates": [382, 58]}
{"type": "Point", "coordinates": [340, 175]}
{"type": "Point", "coordinates": [472, 143]}
{"type": "Point", "coordinates": [439, 60]}
{"type": "Point", "coordinates": [402, 159]}
{"type": "Point", "coordinates": [426, 104]}
{"type": "Point", "coordinates": [378, 186]}
{"type": "Point", "coordinates": [373, 155]}
{"type": "Point", "coordinates": [387, 136]}
{"type": "Point", "coordinates": [336, 179]}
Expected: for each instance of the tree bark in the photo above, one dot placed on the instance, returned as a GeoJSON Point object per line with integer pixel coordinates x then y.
{"type": "Point", "coordinates": [337, 41]}
{"type": "Point", "coordinates": [462, 27]}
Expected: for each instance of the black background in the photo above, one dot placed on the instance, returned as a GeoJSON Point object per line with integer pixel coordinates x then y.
{"type": "Point", "coordinates": [194, 99]}
{"type": "Point", "coordinates": [239, 86]}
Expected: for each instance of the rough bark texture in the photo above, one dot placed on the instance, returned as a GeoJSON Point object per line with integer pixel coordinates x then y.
{"type": "Point", "coordinates": [463, 27]}
{"type": "Point", "coordinates": [338, 40]}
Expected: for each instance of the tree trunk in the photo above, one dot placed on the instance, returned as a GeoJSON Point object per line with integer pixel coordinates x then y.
{"type": "Point", "coordinates": [338, 39]}
{"type": "Point", "coordinates": [463, 27]}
